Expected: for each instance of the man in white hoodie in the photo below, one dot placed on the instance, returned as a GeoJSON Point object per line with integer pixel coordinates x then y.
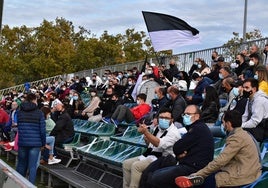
{"type": "Point", "coordinates": [255, 118]}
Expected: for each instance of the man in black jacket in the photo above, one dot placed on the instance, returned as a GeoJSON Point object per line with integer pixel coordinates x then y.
{"type": "Point", "coordinates": [176, 103]}
{"type": "Point", "coordinates": [193, 151]}
{"type": "Point", "coordinates": [64, 128]}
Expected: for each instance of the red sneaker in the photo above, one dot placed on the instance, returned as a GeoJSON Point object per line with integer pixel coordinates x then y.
{"type": "Point", "coordinates": [189, 181]}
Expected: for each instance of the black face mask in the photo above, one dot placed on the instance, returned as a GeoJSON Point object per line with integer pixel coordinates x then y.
{"type": "Point", "coordinates": [224, 89]}
{"type": "Point", "coordinates": [213, 58]}
{"type": "Point", "coordinates": [237, 61]}
{"type": "Point", "coordinates": [171, 65]}
{"type": "Point", "coordinates": [246, 94]}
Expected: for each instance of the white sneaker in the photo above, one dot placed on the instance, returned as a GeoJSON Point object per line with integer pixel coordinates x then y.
{"type": "Point", "coordinates": [53, 161]}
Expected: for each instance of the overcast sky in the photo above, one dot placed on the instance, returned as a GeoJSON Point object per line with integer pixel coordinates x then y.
{"type": "Point", "coordinates": [216, 20]}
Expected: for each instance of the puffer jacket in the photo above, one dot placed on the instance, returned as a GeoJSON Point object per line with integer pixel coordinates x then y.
{"type": "Point", "coordinates": [31, 126]}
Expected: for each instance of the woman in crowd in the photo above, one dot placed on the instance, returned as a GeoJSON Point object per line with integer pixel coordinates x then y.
{"type": "Point", "coordinates": [210, 106]}
{"type": "Point", "coordinates": [262, 76]}
{"type": "Point", "coordinates": [93, 105]}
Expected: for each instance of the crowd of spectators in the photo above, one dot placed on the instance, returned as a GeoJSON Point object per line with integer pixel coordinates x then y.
{"type": "Point", "coordinates": [189, 100]}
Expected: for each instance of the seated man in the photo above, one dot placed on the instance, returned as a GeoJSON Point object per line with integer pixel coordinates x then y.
{"type": "Point", "coordinates": [256, 113]}
{"type": "Point", "coordinates": [160, 99]}
{"type": "Point", "coordinates": [160, 143]}
{"type": "Point", "coordinates": [201, 84]}
{"type": "Point", "coordinates": [193, 151]}
{"type": "Point", "coordinates": [64, 128]}
{"type": "Point", "coordinates": [176, 103]}
{"type": "Point", "coordinates": [237, 165]}
{"type": "Point", "coordinates": [123, 113]}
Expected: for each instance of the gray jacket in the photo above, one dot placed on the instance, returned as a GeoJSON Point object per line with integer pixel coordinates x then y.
{"type": "Point", "coordinates": [259, 110]}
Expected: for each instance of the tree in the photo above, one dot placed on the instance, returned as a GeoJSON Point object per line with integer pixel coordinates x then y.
{"type": "Point", "coordinates": [235, 44]}
{"type": "Point", "coordinates": [54, 48]}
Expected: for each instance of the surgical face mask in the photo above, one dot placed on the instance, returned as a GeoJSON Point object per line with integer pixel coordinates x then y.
{"type": "Point", "coordinates": [138, 102]}
{"type": "Point", "coordinates": [199, 66]}
{"type": "Point", "coordinates": [187, 120]}
{"type": "Point", "coordinates": [156, 96]}
{"type": "Point", "coordinates": [220, 76]}
{"type": "Point", "coordinates": [223, 129]}
{"type": "Point", "coordinates": [163, 123]}
{"type": "Point", "coordinates": [130, 83]}
{"type": "Point", "coordinates": [203, 96]}
{"type": "Point", "coordinates": [149, 72]}
{"type": "Point", "coordinates": [70, 96]}
{"type": "Point", "coordinates": [195, 82]}
{"type": "Point", "coordinates": [92, 94]}
{"type": "Point", "coordinates": [256, 77]}
{"type": "Point", "coordinates": [236, 91]}
{"type": "Point", "coordinates": [168, 96]}
{"type": "Point", "coordinates": [233, 65]}
{"type": "Point", "coordinates": [251, 63]}
{"type": "Point", "coordinates": [75, 98]}
{"type": "Point", "coordinates": [120, 76]}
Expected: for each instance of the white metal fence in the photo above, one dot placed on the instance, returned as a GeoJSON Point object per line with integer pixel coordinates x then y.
{"type": "Point", "coordinates": [184, 62]}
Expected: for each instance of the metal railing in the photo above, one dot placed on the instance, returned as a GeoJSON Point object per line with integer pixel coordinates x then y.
{"type": "Point", "coordinates": [184, 62]}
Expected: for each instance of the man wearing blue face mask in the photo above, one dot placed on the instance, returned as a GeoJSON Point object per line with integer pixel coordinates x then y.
{"type": "Point", "coordinates": [193, 151]}
{"type": "Point", "coordinates": [160, 143]}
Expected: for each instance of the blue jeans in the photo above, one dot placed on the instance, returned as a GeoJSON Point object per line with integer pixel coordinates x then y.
{"type": "Point", "coordinates": [50, 140]}
{"type": "Point", "coordinates": [28, 159]}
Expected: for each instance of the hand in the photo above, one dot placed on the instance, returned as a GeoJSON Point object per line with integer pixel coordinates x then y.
{"type": "Point", "coordinates": [182, 155]}
{"type": "Point", "coordinates": [142, 128]}
{"type": "Point", "coordinates": [48, 147]}
{"type": "Point", "coordinates": [189, 98]}
{"type": "Point", "coordinates": [155, 123]}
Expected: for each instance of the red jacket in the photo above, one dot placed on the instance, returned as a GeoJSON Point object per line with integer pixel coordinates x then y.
{"type": "Point", "coordinates": [4, 117]}
{"type": "Point", "coordinates": [140, 110]}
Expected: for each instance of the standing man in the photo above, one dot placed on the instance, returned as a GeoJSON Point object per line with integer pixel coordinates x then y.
{"type": "Point", "coordinates": [237, 165]}
{"type": "Point", "coordinates": [32, 136]}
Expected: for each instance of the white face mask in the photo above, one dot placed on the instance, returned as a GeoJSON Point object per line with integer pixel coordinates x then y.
{"type": "Point", "coordinates": [92, 94]}
{"type": "Point", "coordinates": [251, 63]}
{"type": "Point", "coordinates": [138, 102]}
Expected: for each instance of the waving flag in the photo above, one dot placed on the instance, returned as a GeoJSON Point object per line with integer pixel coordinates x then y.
{"type": "Point", "coordinates": [168, 32]}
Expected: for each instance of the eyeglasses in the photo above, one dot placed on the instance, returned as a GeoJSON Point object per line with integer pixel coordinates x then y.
{"type": "Point", "coordinates": [164, 117]}
{"type": "Point", "coordinates": [188, 114]}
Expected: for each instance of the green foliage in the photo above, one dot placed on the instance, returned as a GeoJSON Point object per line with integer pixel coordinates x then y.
{"type": "Point", "coordinates": [235, 44]}
{"type": "Point", "coordinates": [54, 48]}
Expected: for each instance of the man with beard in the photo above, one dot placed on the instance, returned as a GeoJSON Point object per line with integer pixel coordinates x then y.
{"type": "Point", "coordinates": [255, 118]}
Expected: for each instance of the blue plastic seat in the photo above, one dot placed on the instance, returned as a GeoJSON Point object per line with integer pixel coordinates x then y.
{"type": "Point", "coordinates": [261, 182]}
{"type": "Point", "coordinates": [131, 136]}
{"type": "Point", "coordinates": [78, 123]}
{"type": "Point", "coordinates": [101, 129]}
